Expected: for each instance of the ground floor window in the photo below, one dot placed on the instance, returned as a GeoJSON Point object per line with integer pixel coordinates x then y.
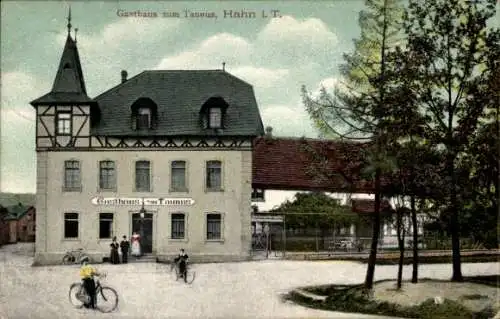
{"type": "Point", "coordinates": [178, 226]}
{"type": "Point", "coordinates": [214, 226]}
{"type": "Point", "coordinates": [105, 225]}
{"type": "Point", "coordinates": [71, 225]}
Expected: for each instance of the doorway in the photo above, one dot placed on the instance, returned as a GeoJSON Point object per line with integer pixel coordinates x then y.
{"type": "Point", "coordinates": [144, 227]}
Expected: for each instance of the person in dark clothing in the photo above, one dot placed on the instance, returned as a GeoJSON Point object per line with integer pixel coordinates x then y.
{"type": "Point", "coordinates": [125, 246]}
{"type": "Point", "coordinates": [181, 260]}
{"type": "Point", "coordinates": [115, 257]}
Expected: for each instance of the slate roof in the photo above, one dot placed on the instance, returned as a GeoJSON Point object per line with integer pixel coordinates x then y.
{"type": "Point", "coordinates": [179, 96]}
{"type": "Point", "coordinates": [69, 85]}
{"type": "Point", "coordinates": [303, 164]}
{"type": "Point", "coordinates": [15, 212]}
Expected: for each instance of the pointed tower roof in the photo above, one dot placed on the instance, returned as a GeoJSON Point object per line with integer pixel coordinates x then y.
{"type": "Point", "coordinates": [69, 85]}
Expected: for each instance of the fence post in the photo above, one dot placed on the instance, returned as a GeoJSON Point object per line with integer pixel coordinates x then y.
{"type": "Point", "coordinates": [316, 237]}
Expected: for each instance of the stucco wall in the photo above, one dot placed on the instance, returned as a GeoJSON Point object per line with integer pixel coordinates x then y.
{"type": "Point", "coordinates": [233, 202]}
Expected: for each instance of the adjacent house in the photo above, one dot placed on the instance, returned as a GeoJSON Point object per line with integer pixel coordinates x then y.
{"type": "Point", "coordinates": [18, 224]}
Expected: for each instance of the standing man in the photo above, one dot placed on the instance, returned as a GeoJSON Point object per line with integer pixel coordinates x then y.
{"type": "Point", "coordinates": [124, 245]}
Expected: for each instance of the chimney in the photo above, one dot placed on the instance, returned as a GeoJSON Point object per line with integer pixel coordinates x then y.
{"type": "Point", "coordinates": [223, 66]}
{"type": "Point", "coordinates": [124, 76]}
{"type": "Point", "coordinates": [269, 131]}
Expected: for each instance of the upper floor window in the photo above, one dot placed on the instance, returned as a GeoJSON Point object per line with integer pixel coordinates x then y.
{"type": "Point", "coordinates": [72, 179]}
{"type": "Point", "coordinates": [215, 117]}
{"type": "Point", "coordinates": [142, 176]}
{"type": "Point", "coordinates": [144, 118]}
{"type": "Point", "coordinates": [214, 176]}
{"type": "Point", "coordinates": [178, 177]}
{"type": "Point", "coordinates": [63, 123]}
{"type": "Point", "coordinates": [107, 175]}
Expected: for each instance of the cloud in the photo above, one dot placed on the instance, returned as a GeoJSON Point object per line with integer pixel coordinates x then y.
{"type": "Point", "coordinates": [288, 121]}
{"type": "Point", "coordinates": [17, 122]}
{"type": "Point", "coordinates": [209, 54]}
{"type": "Point", "coordinates": [262, 77]}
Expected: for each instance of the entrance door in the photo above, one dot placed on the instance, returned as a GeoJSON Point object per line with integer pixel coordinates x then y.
{"type": "Point", "coordinates": [144, 227]}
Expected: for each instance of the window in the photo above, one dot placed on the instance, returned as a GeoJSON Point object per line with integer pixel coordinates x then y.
{"type": "Point", "coordinates": [178, 177]}
{"type": "Point", "coordinates": [215, 117]}
{"type": "Point", "coordinates": [178, 226]}
{"type": "Point", "coordinates": [71, 225]}
{"type": "Point", "coordinates": [63, 123]}
{"type": "Point", "coordinates": [144, 118]}
{"type": "Point", "coordinates": [105, 225]}
{"type": "Point", "coordinates": [72, 176]}
{"type": "Point", "coordinates": [258, 195]}
{"type": "Point", "coordinates": [214, 175]}
{"type": "Point", "coordinates": [142, 176]}
{"type": "Point", "coordinates": [214, 226]}
{"type": "Point", "coordinates": [107, 176]}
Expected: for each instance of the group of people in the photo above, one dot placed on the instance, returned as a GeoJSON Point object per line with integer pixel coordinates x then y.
{"type": "Point", "coordinates": [87, 273]}
{"type": "Point", "coordinates": [124, 247]}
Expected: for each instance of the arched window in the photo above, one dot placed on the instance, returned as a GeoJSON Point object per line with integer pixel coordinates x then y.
{"type": "Point", "coordinates": [144, 118]}
{"type": "Point", "coordinates": [144, 114]}
{"type": "Point", "coordinates": [213, 113]}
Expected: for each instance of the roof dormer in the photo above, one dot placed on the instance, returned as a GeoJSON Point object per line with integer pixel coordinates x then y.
{"type": "Point", "coordinates": [144, 114]}
{"type": "Point", "coordinates": [213, 113]}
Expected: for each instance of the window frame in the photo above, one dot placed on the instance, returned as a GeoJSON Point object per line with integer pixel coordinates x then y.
{"type": "Point", "coordinates": [150, 186]}
{"type": "Point", "coordinates": [184, 189]}
{"type": "Point", "coordinates": [142, 111]}
{"type": "Point", "coordinates": [186, 228]}
{"type": "Point", "coordinates": [63, 233]}
{"type": "Point", "coordinates": [222, 226]}
{"type": "Point", "coordinates": [112, 230]}
{"type": "Point", "coordinates": [211, 124]}
{"type": "Point", "coordinates": [221, 186]}
{"type": "Point", "coordinates": [113, 187]}
{"type": "Point", "coordinates": [67, 188]}
{"type": "Point", "coordinates": [58, 120]}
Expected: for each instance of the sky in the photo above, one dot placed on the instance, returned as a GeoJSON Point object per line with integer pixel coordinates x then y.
{"type": "Point", "coordinates": [302, 45]}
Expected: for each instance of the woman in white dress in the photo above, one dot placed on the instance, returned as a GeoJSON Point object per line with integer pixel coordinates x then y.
{"type": "Point", "coordinates": [136, 244]}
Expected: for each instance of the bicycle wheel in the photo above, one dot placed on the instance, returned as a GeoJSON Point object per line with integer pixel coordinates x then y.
{"type": "Point", "coordinates": [107, 299]}
{"type": "Point", "coordinates": [68, 259]}
{"type": "Point", "coordinates": [74, 292]}
{"type": "Point", "coordinates": [190, 275]}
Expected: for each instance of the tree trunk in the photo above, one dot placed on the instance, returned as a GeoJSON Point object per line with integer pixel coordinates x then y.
{"type": "Point", "coordinates": [401, 244]}
{"type": "Point", "coordinates": [454, 228]}
{"type": "Point", "coordinates": [414, 274]}
{"type": "Point", "coordinates": [372, 259]}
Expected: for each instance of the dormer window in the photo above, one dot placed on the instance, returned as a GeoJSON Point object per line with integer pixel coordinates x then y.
{"type": "Point", "coordinates": [215, 117]}
{"type": "Point", "coordinates": [144, 119]}
{"type": "Point", "coordinates": [213, 113]}
{"type": "Point", "coordinates": [144, 114]}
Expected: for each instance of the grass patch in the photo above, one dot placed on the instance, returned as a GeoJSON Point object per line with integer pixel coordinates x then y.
{"type": "Point", "coordinates": [354, 299]}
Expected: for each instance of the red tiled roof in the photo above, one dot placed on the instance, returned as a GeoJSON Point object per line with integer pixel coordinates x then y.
{"type": "Point", "coordinates": [309, 164]}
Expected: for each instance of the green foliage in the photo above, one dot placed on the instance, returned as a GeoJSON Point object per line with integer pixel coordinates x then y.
{"type": "Point", "coordinates": [316, 210]}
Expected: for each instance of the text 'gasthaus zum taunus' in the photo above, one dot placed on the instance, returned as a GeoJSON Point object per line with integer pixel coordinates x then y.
{"type": "Point", "coordinates": [226, 14]}
{"type": "Point", "coordinates": [139, 201]}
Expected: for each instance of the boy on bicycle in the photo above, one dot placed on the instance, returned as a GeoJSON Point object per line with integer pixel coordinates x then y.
{"type": "Point", "coordinates": [87, 273]}
{"type": "Point", "coordinates": [182, 259]}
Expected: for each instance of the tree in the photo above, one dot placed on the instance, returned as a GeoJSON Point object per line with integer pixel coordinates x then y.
{"type": "Point", "coordinates": [451, 50]}
{"type": "Point", "coordinates": [356, 108]}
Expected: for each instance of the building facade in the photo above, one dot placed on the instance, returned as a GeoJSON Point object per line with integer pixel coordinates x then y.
{"type": "Point", "coordinates": [167, 154]}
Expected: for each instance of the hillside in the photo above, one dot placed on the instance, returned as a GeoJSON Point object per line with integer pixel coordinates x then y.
{"type": "Point", "coordinates": [8, 199]}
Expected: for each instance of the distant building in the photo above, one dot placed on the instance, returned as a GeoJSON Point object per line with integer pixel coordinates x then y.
{"type": "Point", "coordinates": [18, 224]}
{"type": "Point", "coordinates": [167, 154]}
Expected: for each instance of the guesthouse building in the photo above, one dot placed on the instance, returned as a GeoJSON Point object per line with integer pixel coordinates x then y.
{"type": "Point", "coordinates": [166, 154]}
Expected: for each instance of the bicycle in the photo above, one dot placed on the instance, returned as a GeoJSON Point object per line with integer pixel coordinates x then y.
{"type": "Point", "coordinates": [188, 276]}
{"type": "Point", "coordinates": [106, 293]}
{"type": "Point", "coordinates": [74, 256]}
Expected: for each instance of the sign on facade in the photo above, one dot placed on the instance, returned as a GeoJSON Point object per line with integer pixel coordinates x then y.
{"type": "Point", "coordinates": [267, 219]}
{"type": "Point", "coordinates": [116, 201]}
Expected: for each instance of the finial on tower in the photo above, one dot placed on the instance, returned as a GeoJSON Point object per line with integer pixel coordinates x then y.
{"type": "Point", "coordinates": [69, 20]}
{"type": "Point", "coordinates": [76, 31]}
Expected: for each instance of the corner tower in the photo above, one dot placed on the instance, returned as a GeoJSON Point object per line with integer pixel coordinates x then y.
{"type": "Point", "coordinates": [63, 114]}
